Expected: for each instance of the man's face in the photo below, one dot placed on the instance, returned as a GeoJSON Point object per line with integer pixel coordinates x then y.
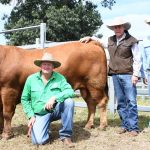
{"type": "Point", "coordinates": [47, 67]}
{"type": "Point", "coordinates": [119, 30]}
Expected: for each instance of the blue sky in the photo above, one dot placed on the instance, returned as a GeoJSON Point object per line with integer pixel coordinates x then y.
{"type": "Point", "coordinates": [134, 11]}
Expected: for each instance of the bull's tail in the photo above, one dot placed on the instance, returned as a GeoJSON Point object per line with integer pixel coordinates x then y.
{"type": "Point", "coordinates": [107, 89]}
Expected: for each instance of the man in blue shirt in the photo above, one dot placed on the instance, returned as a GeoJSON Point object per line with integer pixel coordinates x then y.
{"type": "Point", "coordinates": [46, 97]}
{"type": "Point", "coordinates": [146, 58]}
{"type": "Point", "coordinates": [145, 71]}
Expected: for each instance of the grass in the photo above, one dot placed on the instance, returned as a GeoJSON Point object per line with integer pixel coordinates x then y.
{"type": "Point", "coordinates": [84, 139]}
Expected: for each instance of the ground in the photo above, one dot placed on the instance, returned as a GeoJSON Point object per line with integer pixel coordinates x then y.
{"type": "Point", "coordinates": [93, 139]}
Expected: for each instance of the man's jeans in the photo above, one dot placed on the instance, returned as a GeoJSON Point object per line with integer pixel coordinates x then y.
{"type": "Point", "coordinates": [126, 93]}
{"type": "Point", "coordinates": [149, 83]}
{"type": "Point", "coordinates": [149, 90]}
{"type": "Point", "coordinates": [63, 111]}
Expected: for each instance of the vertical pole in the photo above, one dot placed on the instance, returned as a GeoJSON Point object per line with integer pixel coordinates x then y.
{"type": "Point", "coordinates": [37, 42]}
{"type": "Point", "coordinates": [112, 99]}
{"type": "Point", "coordinates": [42, 34]}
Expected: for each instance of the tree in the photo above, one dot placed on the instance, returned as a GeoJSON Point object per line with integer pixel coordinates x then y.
{"type": "Point", "coordinates": [66, 20]}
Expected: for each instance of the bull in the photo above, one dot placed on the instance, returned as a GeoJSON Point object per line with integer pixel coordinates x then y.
{"type": "Point", "coordinates": [84, 66]}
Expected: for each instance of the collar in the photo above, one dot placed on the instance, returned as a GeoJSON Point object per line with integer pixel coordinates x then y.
{"type": "Point", "coordinates": [125, 36]}
{"type": "Point", "coordinates": [53, 76]}
{"type": "Point", "coordinates": [120, 39]}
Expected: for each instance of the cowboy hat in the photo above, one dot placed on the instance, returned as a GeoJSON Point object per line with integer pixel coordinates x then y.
{"type": "Point", "coordinates": [47, 57]}
{"type": "Point", "coordinates": [147, 20]}
{"type": "Point", "coordinates": [119, 21]}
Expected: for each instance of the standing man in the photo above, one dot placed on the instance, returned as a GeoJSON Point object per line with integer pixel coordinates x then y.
{"type": "Point", "coordinates": [124, 67]}
{"type": "Point", "coordinates": [47, 97]}
{"type": "Point", "coordinates": [146, 60]}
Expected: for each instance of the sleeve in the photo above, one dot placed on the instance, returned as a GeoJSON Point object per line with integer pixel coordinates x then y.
{"type": "Point", "coordinates": [137, 60]}
{"type": "Point", "coordinates": [103, 41]}
{"type": "Point", "coordinates": [66, 91]}
{"type": "Point", "coordinates": [144, 62]}
{"type": "Point", "coordinates": [26, 99]}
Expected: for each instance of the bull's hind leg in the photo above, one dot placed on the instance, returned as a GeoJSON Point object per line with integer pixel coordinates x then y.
{"type": "Point", "coordinates": [99, 97]}
{"type": "Point", "coordinates": [91, 108]}
{"type": "Point", "coordinates": [9, 97]}
{"type": "Point", "coordinates": [103, 112]}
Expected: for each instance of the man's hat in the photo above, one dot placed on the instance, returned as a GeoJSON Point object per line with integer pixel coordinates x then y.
{"type": "Point", "coordinates": [147, 20]}
{"type": "Point", "coordinates": [49, 58]}
{"type": "Point", "coordinates": [119, 21]}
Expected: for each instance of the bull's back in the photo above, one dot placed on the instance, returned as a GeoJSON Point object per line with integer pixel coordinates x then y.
{"type": "Point", "coordinates": [79, 62]}
{"type": "Point", "coordinates": [82, 63]}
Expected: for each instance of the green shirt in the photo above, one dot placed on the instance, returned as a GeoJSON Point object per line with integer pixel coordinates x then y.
{"type": "Point", "coordinates": [35, 93]}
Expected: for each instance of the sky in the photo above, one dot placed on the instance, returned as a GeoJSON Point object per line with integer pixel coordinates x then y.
{"type": "Point", "coordinates": [134, 11]}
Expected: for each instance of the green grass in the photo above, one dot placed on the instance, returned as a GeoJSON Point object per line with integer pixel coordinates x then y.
{"type": "Point", "coordinates": [144, 102]}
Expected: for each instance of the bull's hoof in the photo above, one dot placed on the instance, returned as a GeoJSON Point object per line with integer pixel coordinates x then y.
{"type": "Point", "coordinates": [6, 136]}
{"type": "Point", "coordinates": [102, 128]}
{"type": "Point", "coordinates": [89, 126]}
{"type": "Point", "coordinates": [1, 130]}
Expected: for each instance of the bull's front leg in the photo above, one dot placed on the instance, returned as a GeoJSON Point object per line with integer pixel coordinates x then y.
{"type": "Point", "coordinates": [9, 97]}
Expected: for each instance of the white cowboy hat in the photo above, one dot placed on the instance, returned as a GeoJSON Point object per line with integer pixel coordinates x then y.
{"type": "Point", "coordinates": [47, 57]}
{"type": "Point", "coordinates": [119, 21]}
{"type": "Point", "coordinates": [147, 20]}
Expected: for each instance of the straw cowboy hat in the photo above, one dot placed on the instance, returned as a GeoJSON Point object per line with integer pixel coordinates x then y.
{"type": "Point", "coordinates": [147, 20]}
{"type": "Point", "coordinates": [119, 21]}
{"type": "Point", "coordinates": [47, 57]}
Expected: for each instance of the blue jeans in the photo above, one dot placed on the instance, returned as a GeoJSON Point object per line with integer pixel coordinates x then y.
{"type": "Point", "coordinates": [149, 83]}
{"type": "Point", "coordinates": [149, 89]}
{"type": "Point", "coordinates": [126, 93]}
{"type": "Point", "coordinates": [63, 111]}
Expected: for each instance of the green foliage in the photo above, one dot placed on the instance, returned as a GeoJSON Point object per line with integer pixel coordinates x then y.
{"type": "Point", "coordinates": [108, 3]}
{"type": "Point", "coordinates": [66, 20]}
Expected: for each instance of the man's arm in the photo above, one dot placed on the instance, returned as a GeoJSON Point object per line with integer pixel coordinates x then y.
{"type": "Point", "coordinates": [26, 99]}
{"type": "Point", "coordinates": [66, 91]}
{"type": "Point", "coordinates": [136, 63]}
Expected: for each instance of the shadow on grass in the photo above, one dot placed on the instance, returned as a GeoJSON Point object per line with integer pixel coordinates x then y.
{"type": "Point", "coordinates": [79, 133]}
{"type": "Point", "coordinates": [20, 130]}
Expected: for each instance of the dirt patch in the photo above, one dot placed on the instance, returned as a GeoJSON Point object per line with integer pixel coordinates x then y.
{"type": "Point", "coordinates": [93, 139]}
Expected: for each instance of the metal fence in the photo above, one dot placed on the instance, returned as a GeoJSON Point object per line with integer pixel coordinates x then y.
{"type": "Point", "coordinates": [142, 92]}
{"type": "Point", "coordinates": [42, 27]}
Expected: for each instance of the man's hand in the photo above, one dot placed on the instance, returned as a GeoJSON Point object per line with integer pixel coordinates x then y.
{"type": "Point", "coordinates": [49, 105]}
{"type": "Point", "coordinates": [30, 124]}
{"type": "Point", "coordinates": [145, 81]}
{"type": "Point", "coordinates": [85, 39]}
{"type": "Point", "coordinates": [31, 121]}
{"type": "Point", "coordinates": [134, 79]}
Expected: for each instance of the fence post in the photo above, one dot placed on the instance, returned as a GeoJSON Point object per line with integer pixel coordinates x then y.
{"type": "Point", "coordinates": [42, 34]}
{"type": "Point", "coordinates": [37, 42]}
{"type": "Point", "coordinates": [112, 99]}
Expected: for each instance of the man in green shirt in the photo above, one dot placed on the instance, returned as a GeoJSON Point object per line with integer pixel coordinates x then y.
{"type": "Point", "coordinates": [47, 97]}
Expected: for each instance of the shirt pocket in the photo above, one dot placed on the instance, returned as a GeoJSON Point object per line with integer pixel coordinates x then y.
{"type": "Point", "coordinates": [55, 88]}
{"type": "Point", "coordinates": [125, 51]}
{"type": "Point", "coordinates": [35, 93]}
